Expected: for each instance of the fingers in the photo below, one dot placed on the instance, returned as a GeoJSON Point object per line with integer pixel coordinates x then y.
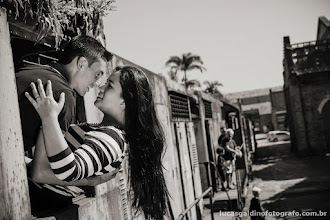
{"type": "Point", "coordinates": [33, 102]}
{"type": "Point", "coordinates": [40, 92]}
{"type": "Point", "coordinates": [34, 91]}
{"type": "Point", "coordinates": [61, 100]}
{"type": "Point", "coordinates": [49, 90]}
{"type": "Point", "coordinates": [41, 89]}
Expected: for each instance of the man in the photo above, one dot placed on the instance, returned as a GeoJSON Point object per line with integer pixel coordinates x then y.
{"type": "Point", "coordinates": [83, 63]}
{"type": "Point", "coordinates": [221, 151]}
{"type": "Point", "coordinates": [231, 151]}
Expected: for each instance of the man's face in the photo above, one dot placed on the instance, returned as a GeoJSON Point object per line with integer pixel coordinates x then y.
{"type": "Point", "coordinates": [222, 131]}
{"type": "Point", "coordinates": [229, 134]}
{"type": "Point", "coordinates": [87, 76]}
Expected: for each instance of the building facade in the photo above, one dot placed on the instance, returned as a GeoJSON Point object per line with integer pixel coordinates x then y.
{"type": "Point", "coordinates": [307, 91]}
{"type": "Point", "coordinates": [264, 107]}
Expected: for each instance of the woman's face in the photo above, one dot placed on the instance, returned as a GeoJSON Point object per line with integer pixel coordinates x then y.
{"type": "Point", "coordinates": [110, 100]}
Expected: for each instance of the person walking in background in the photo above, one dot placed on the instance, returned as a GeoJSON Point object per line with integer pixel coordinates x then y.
{"type": "Point", "coordinates": [231, 151]}
{"type": "Point", "coordinates": [221, 151]}
{"type": "Point", "coordinates": [83, 62]}
{"type": "Point", "coordinates": [129, 122]}
{"type": "Point", "coordinates": [256, 211]}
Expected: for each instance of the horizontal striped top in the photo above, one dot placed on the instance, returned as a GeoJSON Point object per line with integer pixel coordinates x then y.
{"type": "Point", "coordinates": [91, 151]}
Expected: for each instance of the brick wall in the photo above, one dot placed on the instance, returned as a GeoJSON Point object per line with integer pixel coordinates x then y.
{"type": "Point", "coordinates": [312, 96]}
{"type": "Point", "coordinates": [297, 125]}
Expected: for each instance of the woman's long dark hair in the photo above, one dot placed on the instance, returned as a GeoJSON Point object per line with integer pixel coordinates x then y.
{"type": "Point", "coordinates": [146, 143]}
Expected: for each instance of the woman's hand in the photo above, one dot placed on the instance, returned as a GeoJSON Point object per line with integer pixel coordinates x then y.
{"type": "Point", "coordinates": [44, 102]}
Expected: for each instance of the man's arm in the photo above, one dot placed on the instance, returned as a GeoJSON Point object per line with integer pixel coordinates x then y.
{"type": "Point", "coordinates": [229, 149]}
{"type": "Point", "coordinates": [41, 171]}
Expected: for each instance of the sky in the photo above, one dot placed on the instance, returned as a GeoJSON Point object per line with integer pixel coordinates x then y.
{"type": "Point", "coordinates": [239, 41]}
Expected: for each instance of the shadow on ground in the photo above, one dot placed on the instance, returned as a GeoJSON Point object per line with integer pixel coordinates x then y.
{"type": "Point", "coordinates": [292, 183]}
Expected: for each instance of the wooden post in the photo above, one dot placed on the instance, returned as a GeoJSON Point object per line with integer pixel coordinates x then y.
{"type": "Point", "coordinates": [14, 196]}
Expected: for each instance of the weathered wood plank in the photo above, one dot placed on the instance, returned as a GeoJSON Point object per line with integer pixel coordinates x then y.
{"type": "Point", "coordinates": [14, 198]}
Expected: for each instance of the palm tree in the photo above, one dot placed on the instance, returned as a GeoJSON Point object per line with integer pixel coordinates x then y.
{"type": "Point", "coordinates": [188, 61]}
{"type": "Point", "coordinates": [212, 87]}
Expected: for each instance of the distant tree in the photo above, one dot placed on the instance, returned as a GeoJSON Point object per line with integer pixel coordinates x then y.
{"type": "Point", "coordinates": [187, 62]}
{"type": "Point", "coordinates": [212, 87]}
{"type": "Point", "coordinates": [173, 73]}
{"type": "Point", "coordinates": [191, 84]}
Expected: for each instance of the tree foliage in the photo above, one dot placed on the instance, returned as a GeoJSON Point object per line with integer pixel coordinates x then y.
{"type": "Point", "coordinates": [212, 88]}
{"type": "Point", "coordinates": [187, 62]}
{"type": "Point", "coordinates": [62, 18]}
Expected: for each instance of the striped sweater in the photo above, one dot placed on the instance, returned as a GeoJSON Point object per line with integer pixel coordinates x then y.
{"type": "Point", "coordinates": [91, 151]}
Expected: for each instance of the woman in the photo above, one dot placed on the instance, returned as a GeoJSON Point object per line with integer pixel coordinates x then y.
{"type": "Point", "coordinates": [127, 103]}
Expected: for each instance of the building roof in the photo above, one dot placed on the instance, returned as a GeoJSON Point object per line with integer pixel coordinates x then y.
{"type": "Point", "coordinates": [323, 29]}
{"type": "Point", "coordinates": [252, 93]}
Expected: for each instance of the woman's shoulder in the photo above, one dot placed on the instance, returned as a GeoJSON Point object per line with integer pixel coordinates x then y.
{"type": "Point", "coordinates": [107, 129]}
{"type": "Point", "coordinates": [96, 130]}
{"type": "Point", "coordinates": [87, 127]}
{"type": "Point", "coordinates": [106, 133]}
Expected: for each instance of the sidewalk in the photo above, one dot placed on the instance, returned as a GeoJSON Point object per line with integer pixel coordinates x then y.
{"type": "Point", "coordinates": [289, 183]}
{"type": "Point", "coordinates": [207, 216]}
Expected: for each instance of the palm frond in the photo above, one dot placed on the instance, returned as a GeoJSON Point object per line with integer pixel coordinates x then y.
{"type": "Point", "coordinates": [174, 60]}
{"type": "Point", "coordinates": [207, 83]}
{"type": "Point", "coordinates": [196, 66]}
{"type": "Point", "coordinates": [212, 87]}
{"type": "Point", "coordinates": [192, 83]}
{"type": "Point", "coordinates": [194, 58]}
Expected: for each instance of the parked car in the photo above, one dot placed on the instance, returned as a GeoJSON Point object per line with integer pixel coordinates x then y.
{"type": "Point", "coordinates": [274, 136]}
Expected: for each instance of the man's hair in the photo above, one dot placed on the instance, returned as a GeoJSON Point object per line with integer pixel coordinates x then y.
{"type": "Point", "coordinates": [85, 46]}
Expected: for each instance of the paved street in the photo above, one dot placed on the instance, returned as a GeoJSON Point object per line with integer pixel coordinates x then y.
{"type": "Point", "coordinates": [289, 183]}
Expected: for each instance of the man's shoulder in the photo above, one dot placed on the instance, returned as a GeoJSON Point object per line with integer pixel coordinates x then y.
{"type": "Point", "coordinates": [29, 74]}
{"type": "Point", "coordinates": [221, 137]}
{"type": "Point", "coordinates": [43, 72]}
{"type": "Point", "coordinates": [224, 139]}
{"type": "Point", "coordinates": [28, 71]}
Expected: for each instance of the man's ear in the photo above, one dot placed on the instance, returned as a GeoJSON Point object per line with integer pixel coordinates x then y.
{"type": "Point", "coordinates": [82, 63]}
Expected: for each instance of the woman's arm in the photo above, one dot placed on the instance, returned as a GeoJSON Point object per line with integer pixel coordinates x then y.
{"type": "Point", "coordinates": [48, 110]}
{"type": "Point", "coordinates": [41, 171]}
{"type": "Point", "coordinates": [92, 158]}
